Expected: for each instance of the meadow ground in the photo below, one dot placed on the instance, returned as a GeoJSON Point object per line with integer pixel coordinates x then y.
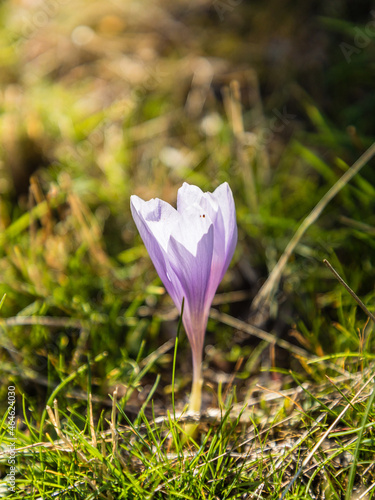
{"type": "Point", "coordinates": [101, 100]}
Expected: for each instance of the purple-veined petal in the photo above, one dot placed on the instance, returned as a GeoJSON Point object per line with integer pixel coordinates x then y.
{"type": "Point", "coordinates": [220, 208]}
{"type": "Point", "coordinates": [190, 227]}
{"type": "Point", "coordinates": [193, 273]}
{"type": "Point", "coordinates": [226, 227]}
{"type": "Point", "coordinates": [158, 215]}
{"type": "Point", "coordinates": [224, 198]}
{"type": "Point", "coordinates": [191, 248]}
{"type": "Point", "coordinates": [154, 220]}
{"type": "Point", "coordinates": [187, 196]}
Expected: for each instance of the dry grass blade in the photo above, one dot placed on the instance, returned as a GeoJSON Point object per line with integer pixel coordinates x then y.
{"type": "Point", "coordinates": [261, 303]}
{"type": "Point", "coordinates": [257, 332]}
{"type": "Point", "coordinates": [43, 321]}
{"type": "Point", "coordinates": [56, 424]}
{"type": "Point", "coordinates": [353, 467]}
{"type": "Point", "coordinates": [325, 435]}
{"type": "Point", "coordinates": [92, 427]}
{"type": "Point", "coordinates": [232, 102]}
{"type": "Point", "coordinates": [113, 423]}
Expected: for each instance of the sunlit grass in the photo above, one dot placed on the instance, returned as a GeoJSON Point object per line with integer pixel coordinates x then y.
{"type": "Point", "coordinates": [288, 445]}
{"type": "Point", "coordinates": [87, 333]}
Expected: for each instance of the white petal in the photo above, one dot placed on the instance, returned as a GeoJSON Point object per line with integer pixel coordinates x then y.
{"type": "Point", "coordinates": [187, 196]}
{"type": "Point", "coordinates": [158, 215]}
{"type": "Point", "coordinates": [224, 198]}
{"type": "Point", "coordinates": [190, 228]}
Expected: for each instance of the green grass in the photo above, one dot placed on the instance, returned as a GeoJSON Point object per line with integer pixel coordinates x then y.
{"type": "Point", "coordinates": [87, 332]}
{"type": "Point", "coordinates": [273, 448]}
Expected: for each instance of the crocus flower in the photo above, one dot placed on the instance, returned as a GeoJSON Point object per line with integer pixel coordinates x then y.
{"type": "Point", "coordinates": [191, 249]}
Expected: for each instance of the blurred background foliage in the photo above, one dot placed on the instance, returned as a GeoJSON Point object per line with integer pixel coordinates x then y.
{"type": "Point", "coordinates": [100, 100]}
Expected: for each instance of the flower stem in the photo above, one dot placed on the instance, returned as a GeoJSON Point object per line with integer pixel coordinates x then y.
{"type": "Point", "coordinates": [196, 395]}
{"type": "Point", "coordinates": [196, 389]}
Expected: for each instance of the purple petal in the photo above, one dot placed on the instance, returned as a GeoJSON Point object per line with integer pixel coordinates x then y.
{"type": "Point", "coordinates": [220, 208]}
{"type": "Point", "coordinates": [190, 227]}
{"type": "Point", "coordinates": [191, 248]}
{"type": "Point", "coordinates": [224, 198]}
{"type": "Point", "coordinates": [193, 270]}
{"type": "Point", "coordinates": [187, 196]}
{"type": "Point", "coordinates": [152, 221]}
{"type": "Point", "coordinates": [158, 215]}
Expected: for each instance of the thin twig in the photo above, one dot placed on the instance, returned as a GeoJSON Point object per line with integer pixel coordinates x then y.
{"type": "Point", "coordinates": [261, 303]}
{"type": "Point", "coordinates": [347, 287]}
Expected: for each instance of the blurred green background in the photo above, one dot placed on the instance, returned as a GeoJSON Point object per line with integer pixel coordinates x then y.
{"type": "Point", "coordinates": [100, 100]}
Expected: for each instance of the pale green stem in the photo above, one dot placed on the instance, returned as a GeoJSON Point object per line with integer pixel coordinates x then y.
{"type": "Point", "coordinates": [196, 389]}
{"type": "Point", "coordinates": [196, 394]}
